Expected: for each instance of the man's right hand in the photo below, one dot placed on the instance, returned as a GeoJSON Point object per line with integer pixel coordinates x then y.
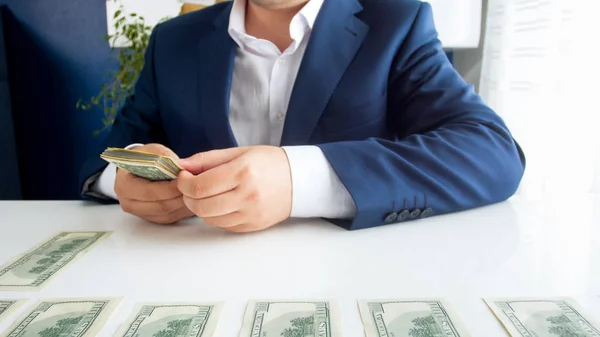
{"type": "Point", "coordinates": [158, 201]}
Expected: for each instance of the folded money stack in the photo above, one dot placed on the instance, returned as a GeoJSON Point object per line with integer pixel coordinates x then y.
{"type": "Point", "coordinates": [143, 164]}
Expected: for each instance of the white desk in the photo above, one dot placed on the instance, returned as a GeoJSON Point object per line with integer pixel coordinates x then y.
{"type": "Point", "coordinates": [517, 248]}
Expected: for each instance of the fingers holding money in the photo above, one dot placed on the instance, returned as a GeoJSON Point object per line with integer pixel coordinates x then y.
{"type": "Point", "coordinates": [170, 217]}
{"type": "Point", "coordinates": [161, 212]}
{"type": "Point", "coordinates": [154, 201]}
{"type": "Point", "coordinates": [157, 149]}
{"type": "Point", "coordinates": [219, 205]}
{"type": "Point", "coordinates": [160, 209]}
{"type": "Point", "coordinates": [131, 187]}
{"type": "Point", "coordinates": [255, 187]}
{"type": "Point", "coordinates": [145, 183]}
{"type": "Point", "coordinates": [228, 222]}
{"type": "Point", "coordinates": [219, 180]}
{"type": "Point", "coordinates": [153, 207]}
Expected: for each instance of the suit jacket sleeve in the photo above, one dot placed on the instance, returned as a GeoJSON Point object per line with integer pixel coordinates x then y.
{"type": "Point", "coordinates": [137, 122]}
{"type": "Point", "coordinates": [452, 151]}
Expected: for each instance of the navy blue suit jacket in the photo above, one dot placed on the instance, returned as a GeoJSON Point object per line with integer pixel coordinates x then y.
{"type": "Point", "coordinates": [375, 91]}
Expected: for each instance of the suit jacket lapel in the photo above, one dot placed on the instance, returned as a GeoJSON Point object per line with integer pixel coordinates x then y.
{"type": "Point", "coordinates": [337, 35]}
{"type": "Point", "coordinates": [216, 61]}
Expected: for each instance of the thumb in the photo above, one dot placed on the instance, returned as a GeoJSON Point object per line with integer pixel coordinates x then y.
{"type": "Point", "coordinates": [165, 151]}
{"type": "Point", "coordinates": [205, 161]}
{"type": "Point", "coordinates": [157, 149]}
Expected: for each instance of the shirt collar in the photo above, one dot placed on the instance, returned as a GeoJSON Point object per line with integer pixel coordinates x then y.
{"type": "Point", "coordinates": [237, 26]}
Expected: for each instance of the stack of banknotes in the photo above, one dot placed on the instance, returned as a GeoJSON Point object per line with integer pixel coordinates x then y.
{"type": "Point", "coordinates": [146, 165]}
{"type": "Point", "coordinates": [417, 317]}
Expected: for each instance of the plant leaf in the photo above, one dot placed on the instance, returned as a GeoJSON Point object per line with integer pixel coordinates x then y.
{"type": "Point", "coordinates": [120, 82]}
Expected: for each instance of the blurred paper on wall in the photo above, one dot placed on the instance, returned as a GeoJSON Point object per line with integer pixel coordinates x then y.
{"type": "Point", "coordinates": [540, 73]}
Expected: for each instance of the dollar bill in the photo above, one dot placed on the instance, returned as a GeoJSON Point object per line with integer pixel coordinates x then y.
{"type": "Point", "coordinates": [36, 267]}
{"type": "Point", "coordinates": [183, 319]}
{"type": "Point", "coordinates": [291, 319]}
{"type": "Point", "coordinates": [410, 318]}
{"type": "Point", "coordinates": [539, 317]}
{"type": "Point", "coordinates": [7, 307]}
{"type": "Point", "coordinates": [63, 317]}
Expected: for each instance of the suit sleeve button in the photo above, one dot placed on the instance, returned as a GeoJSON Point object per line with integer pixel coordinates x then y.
{"type": "Point", "coordinates": [392, 217]}
{"type": "Point", "coordinates": [403, 216]}
{"type": "Point", "coordinates": [427, 212]}
{"type": "Point", "coordinates": [415, 213]}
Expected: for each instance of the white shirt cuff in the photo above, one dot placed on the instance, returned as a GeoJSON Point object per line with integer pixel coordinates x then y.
{"type": "Point", "coordinates": [317, 190]}
{"type": "Point", "coordinates": [105, 185]}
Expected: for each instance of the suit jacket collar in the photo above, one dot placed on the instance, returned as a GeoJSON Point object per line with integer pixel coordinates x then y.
{"type": "Point", "coordinates": [334, 42]}
{"type": "Point", "coordinates": [336, 37]}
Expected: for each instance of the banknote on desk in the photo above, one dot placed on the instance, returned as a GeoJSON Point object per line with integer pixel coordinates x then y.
{"type": "Point", "coordinates": [146, 165]}
{"type": "Point", "coordinates": [172, 319]}
{"type": "Point", "coordinates": [31, 270]}
{"type": "Point", "coordinates": [7, 307]}
{"type": "Point", "coordinates": [543, 317]}
{"type": "Point", "coordinates": [410, 317]}
{"type": "Point", "coordinates": [64, 317]}
{"type": "Point", "coordinates": [291, 318]}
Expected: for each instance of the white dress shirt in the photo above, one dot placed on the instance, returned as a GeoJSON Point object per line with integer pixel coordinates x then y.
{"type": "Point", "coordinates": [262, 83]}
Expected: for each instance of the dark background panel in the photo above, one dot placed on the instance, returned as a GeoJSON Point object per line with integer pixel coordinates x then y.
{"type": "Point", "coordinates": [56, 54]}
{"type": "Point", "coordinates": [10, 183]}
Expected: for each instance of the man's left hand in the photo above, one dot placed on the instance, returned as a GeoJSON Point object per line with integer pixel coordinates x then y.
{"type": "Point", "coordinates": [239, 189]}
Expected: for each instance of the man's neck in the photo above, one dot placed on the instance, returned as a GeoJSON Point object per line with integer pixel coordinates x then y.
{"type": "Point", "coordinates": [271, 24]}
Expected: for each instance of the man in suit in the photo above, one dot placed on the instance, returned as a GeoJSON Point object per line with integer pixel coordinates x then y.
{"type": "Point", "coordinates": [346, 110]}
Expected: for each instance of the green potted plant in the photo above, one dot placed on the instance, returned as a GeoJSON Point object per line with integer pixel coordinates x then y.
{"type": "Point", "coordinates": [132, 29]}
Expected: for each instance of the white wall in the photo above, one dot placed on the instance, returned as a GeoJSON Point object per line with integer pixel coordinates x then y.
{"type": "Point", "coordinates": [455, 21]}
{"type": "Point", "coordinates": [468, 61]}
